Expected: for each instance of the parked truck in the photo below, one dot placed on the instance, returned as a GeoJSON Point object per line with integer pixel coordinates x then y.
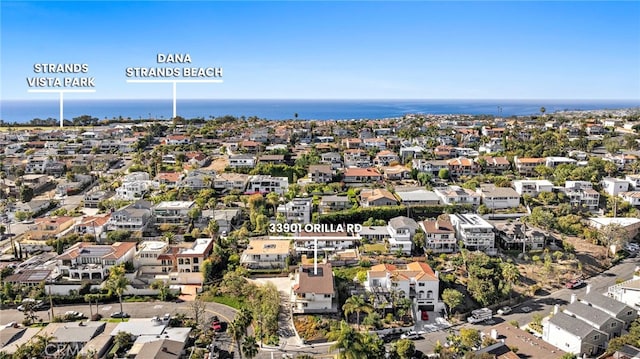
{"type": "Point", "coordinates": [480, 315]}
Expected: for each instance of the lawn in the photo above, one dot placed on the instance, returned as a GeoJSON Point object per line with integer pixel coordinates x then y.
{"type": "Point", "coordinates": [377, 248]}
{"type": "Point", "coordinates": [230, 301]}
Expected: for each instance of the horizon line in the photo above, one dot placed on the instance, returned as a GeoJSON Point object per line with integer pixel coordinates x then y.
{"type": "Point", "coordinates": [334, 99]}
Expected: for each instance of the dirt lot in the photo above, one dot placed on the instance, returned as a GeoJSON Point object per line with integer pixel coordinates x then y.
{"type": "Point", "coordinates": [219, 164]}
{"type": "Point", "coordinates": [588, 260]}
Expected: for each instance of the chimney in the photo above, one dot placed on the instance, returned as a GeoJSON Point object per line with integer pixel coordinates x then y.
{"type": "Point", "coordinates": [164, 349]}
{"type": "Point", "coordinates": [556, 309]}
{"type": "Point", "coordinates": [588, 288]}
{"type": "Point", "coordinates": [573, 298]}
{"type": "Point", "coordinates": [494, 334]}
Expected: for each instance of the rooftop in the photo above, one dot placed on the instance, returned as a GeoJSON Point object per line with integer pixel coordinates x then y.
{"type": "Point", "coordinates": [320, 283]}
{"type": "Point", "coordinates": [257, 246]}
{"type": "Point", "coordinates": [175, 205]}
{"type": "Point", "coordinates": [198, 247]}
{"type": "Point", "coordinates": [573, 325]}
{"type": "Point", "coordinates": [605, 303]}
{"type": "Point", "coordinates": [587, 313]}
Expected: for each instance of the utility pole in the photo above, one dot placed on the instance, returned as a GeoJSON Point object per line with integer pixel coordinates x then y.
{"type": "Point", "coordinates": [51, 301]}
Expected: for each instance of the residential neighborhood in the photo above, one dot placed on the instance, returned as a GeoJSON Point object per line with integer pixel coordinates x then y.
{"type": "Point", "coordinates": [422, 236]}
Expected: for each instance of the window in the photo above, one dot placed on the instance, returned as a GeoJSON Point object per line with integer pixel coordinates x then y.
{"type": "Point", "coordinates": [195, 260]}
{"type": "Point", "coordinates": [613, 324]}
{"type": "Point", "coordinates": [629, 312]}
{"type": "Point", "coordinates": [327, 295]}
{"type": "Point", "coordinates": [429, 294]}
{"type": "Point", "coordinates": [596, 337]}
{"type": "Point", "coordinates": [421, 284]}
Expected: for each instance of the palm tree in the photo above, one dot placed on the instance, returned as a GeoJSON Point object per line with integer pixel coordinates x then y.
{"type": "Point", "coordinates": [236, 331]}
{"type": "Point", "coordinates": [510, 273]}
{"type": "Point", "coordinates": [249, 347]}
{"type": "Point", "coordinates": [244, 318]}
{"type": "Point", "coordinates": [273, 199]}
{"type": "Point", "coordinates": [373, 345]}
{"type": "Point", "coordinates": [356, 304]}
{"type": "Point", "coordinates": [42, 342]}
{"type": "Point", "coordinates": [117, 282]}
{"type": "Point", "coordinates": [213, 228]}
{"type": "Point", "coordinates": [122, 339]}
{"type": "Point", "coordinates": [348, 342]}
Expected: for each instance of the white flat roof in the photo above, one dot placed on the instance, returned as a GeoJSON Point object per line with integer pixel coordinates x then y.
{"type": "Point", "coordinates": [470, 221]}
{"type": "Point", "coordinates": [140, 326]}
{"type": "Point", "coordinates": [623, 221]}
{"type": "Point", "coordinates": [199, 246]}
{"type": "Point", "coordinates": [174, 205]}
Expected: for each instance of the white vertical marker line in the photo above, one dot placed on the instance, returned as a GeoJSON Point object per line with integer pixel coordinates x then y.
{"type": "Point", "coordinates": [174, 99]}
{"type": "Point", "coordinates": [61, 109]}
{"type": "Point", "coordinates": [173, 82]}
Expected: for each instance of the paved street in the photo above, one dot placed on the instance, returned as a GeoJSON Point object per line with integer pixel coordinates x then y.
{"type": "Point", "coordinates": [136, 310]}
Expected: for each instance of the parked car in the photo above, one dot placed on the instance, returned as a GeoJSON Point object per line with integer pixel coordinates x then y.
{"type": "Point", "coordinates": [526, 309]}
{"type": "Point", "coordinates": [35, 305]}
{"type": "Point", "coordinates": [575, 283]}
{"type": "Point", "coordinates": [504, 310]}
{"type": "Point", "coordinates": [73, 315]}
{"type": "Point", "coordinates": [119, 315]}
{"type": "Point", "coordinates": [424, 315]}
{"type": "Point", "coordinates": [410, 335]}
{"type": "Point", "coordinates": [216, 324]}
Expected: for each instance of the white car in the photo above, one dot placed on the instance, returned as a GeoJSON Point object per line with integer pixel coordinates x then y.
{"type": "Point", "coordinates": [410, 335]}
{"type": "Point", "coordinates": [72, 314]}
{"type": "Point", "coordinates": [504, 310]}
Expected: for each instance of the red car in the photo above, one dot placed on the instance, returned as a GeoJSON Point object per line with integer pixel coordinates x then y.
{"type": "Point", "coordinates": [425, 315]}
{"type": "Point", "coordinates": [216, 325]}
{"type": "Point", "coordinates": [574, 283]}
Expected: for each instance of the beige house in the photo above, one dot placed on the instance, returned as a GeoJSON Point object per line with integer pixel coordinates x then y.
{"type": "Point", "coordinates": [266, 254]}
{"type": "Point", "coordinates": [49, 227]}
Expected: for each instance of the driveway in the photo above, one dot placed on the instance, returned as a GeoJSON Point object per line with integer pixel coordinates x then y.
{"type": "Point", "coordinates": [286, 331]}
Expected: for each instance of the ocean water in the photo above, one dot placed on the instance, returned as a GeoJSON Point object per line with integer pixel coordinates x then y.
{"type": "Point", "coordinates": [21, 111]}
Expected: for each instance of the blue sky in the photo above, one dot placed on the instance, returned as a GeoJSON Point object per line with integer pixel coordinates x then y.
{"type": "Point", "coordinates": [335, 50]}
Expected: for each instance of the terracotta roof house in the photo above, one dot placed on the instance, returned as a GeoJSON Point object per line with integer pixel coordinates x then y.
{"type": "Point", "coordinates": [377, 197]}
{"type": "Point", "coordinates": [526, 165]}
{"type": "Point", "coordinates": [396, 173]}
{"type": "Point", "coordinates": [92, 261]}
{"type": "Point", "coordinates": [440, 236]}
{"type": "Point", "coordinates": [361, 175]}
{"type": "Point", "coordinates": [417, 281]}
